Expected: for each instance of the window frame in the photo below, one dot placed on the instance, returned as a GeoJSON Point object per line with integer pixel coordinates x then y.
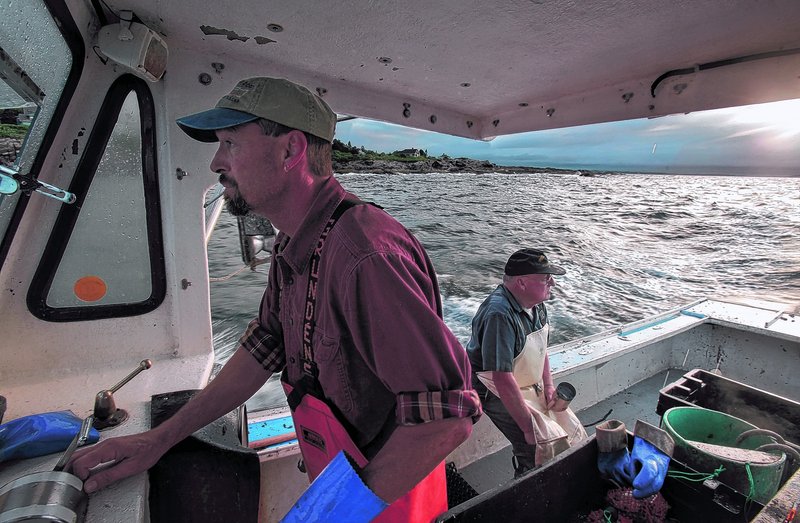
{"type": "Point", "coordinates": [68, 215]}
{"type": "Point", "coordinates": [74, 40]}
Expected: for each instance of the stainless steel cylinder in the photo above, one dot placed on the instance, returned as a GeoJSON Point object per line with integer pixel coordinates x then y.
{"type": "Point", "coordinates": [565, 393]}
{"type": "Point", "coordinates": [43, 496]}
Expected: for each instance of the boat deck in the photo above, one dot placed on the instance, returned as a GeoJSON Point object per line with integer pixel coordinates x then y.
{"type": "Point", "coordinates": [492, 475]}
{"type": "Point", "coordinates": [636, 402]}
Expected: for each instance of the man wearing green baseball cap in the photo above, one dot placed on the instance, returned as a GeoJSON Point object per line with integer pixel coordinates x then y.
{"type": "Point", "coordinates": [275, 99]}
{"type": "Point", "coordinates": [352, 316]}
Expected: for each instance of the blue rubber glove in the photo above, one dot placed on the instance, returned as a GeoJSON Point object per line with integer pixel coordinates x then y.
{"type": "Point", "coordinates": [650, 466]}
{"type": "Point", "coordinates": [338, 494]}
{"type": "Point", "coordinates": [652, 448]}
{"type": "Point", "coordinates": [615, 466]}
{"type": "Point", "coordinates": [613, 458]}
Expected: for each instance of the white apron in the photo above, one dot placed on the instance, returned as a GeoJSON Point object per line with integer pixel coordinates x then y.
{"type": "Point", "coordinates": [555, 431]}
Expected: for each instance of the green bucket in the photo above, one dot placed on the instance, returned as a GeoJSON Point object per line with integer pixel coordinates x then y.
{"type": "Point", "coordinates": [706, 439]}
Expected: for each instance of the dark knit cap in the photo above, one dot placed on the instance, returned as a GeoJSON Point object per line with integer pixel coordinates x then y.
{"type": "Point", "coordinates": [530, 261]}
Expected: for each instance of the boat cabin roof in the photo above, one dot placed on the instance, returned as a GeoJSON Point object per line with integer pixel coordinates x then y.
{"type": "Point", "coordinates": [483, 69]}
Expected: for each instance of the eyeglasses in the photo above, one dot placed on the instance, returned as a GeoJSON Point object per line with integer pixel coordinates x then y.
{"type": "Point", "coordinates": [547, 280]}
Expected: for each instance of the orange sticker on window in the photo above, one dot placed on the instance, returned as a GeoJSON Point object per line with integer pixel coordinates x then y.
{"type": "Point", "coordinates": [90, 288]}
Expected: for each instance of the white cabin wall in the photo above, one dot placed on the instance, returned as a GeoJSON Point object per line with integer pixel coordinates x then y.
{"type": "Point", "coordinates": [182, 203]}
{"type": "Point", "coordinates": [55, 347]}
{"type": "Point", "coordinates": [40, 358]}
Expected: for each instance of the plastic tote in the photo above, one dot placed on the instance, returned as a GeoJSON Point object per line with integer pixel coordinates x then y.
{"type": "Point", "coordinates": [706, 439]}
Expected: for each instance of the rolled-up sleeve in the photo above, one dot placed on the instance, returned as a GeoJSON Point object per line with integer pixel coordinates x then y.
{"type": "Point", "coordinates": [264, 346]}
{"type": "Point", "coordinates": [393, 312]}
{"type": "Point", "coordinates": [414, 408]}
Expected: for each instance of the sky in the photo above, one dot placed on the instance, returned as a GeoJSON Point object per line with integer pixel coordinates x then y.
{"type": "Point", "coordinates": [761, 139]}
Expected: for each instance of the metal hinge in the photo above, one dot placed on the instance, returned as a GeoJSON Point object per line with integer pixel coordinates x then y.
{"type": "Point", "coordinates": [11, 182]}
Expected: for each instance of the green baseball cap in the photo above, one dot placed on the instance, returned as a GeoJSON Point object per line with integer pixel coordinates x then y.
{"type": "Point", "coordinates": [275, 99]}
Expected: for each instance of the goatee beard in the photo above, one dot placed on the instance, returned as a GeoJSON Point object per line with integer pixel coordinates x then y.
{"type": "Point", "coordinates": [237, 206]}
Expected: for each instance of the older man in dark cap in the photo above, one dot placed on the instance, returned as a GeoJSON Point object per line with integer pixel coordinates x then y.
{"type": "Point", "coordinates": [511, 370]}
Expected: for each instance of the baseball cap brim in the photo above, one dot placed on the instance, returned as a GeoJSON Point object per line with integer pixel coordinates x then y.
{"type": "Point", "coordinates": [201, 126]}
{"type": "Point", "coordinates": [552, 269]}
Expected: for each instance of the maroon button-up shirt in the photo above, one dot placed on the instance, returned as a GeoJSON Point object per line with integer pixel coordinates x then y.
{"type": "Point", "coordinates": [384, 354]}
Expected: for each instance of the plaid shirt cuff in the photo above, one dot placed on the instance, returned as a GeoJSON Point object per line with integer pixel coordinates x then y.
{"type": "Point", "coordinates": [265, 348]}
{"type": "Point", "coordinates": [414, 408]}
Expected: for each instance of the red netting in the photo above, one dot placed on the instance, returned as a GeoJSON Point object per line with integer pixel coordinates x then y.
{"type": "Point", "coordinates": [598, 516]}
{"type": "Point", "coordinates": [652, 509]}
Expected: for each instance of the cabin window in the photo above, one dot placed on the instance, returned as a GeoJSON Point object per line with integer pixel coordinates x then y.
{"type": "Point", "coordinates": [38, 70]}
{"type": "Point", "coordinates": [105, 255]}
{"type": "Point", "coordinates": [109, 242]}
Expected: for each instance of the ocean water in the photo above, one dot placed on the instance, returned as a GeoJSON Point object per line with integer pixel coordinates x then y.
{"type": "Point", "coordinates": [633, 244]}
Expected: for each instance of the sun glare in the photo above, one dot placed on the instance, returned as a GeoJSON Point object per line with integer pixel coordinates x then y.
{"type": "Point", "coordinates": [782, 118]}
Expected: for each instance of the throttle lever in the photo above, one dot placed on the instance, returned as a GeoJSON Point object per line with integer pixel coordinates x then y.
{"type": "Point", "coordinates": [106, 414]}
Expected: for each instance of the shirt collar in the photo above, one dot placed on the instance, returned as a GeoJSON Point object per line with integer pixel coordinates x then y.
{"type": "Point", "coordinates": [511, 299]}
{"type": "Point", "coordinates": [298, 249]}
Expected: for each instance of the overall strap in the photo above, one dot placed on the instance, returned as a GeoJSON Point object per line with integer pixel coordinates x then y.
{"type": "Point", "coordinates": [309, 383]}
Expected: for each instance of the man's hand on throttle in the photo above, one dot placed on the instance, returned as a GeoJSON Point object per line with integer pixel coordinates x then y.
{"type": "Point", "coordinates": [127, 455]}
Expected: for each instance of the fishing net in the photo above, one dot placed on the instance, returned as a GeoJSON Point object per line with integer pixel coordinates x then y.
{"type": "Point", "coordinates": [624, 508]}
{"type": "Point", "coordinates": [458, 490]}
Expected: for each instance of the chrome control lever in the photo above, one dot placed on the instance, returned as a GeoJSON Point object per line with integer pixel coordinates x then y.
{"type": "Point", "coordinates": [106, 414]}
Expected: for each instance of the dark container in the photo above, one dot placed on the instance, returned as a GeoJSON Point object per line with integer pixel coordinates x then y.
{"type": "Point", "coordinates": [210, 476]}
{"type": "Point", "coordinates": [763, 409]}
{"type": "Point", "coordinates": [570, 487]}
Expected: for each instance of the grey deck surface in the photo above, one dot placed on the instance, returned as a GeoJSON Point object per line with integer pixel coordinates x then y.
{"type": "Point", "coordinates": [638, 402]}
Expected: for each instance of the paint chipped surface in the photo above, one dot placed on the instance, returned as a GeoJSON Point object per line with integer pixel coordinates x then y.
{"type": "Point", "coordinates": [231, 35]}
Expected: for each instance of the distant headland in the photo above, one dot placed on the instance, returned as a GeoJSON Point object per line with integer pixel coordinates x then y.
{"type": "Point", "coordinates": [437, 164]}
{"type": "Point", "coordinates": [351, 159]}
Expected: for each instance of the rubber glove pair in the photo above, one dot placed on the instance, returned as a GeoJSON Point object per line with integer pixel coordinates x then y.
{"type": "Point", "coordinates": [644, 467]}
{"type": "Point", "coordinates": [337, 494]}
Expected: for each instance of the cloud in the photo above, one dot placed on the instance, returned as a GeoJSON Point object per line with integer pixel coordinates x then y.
{"type": "Point", "coordinates": [663, 128]}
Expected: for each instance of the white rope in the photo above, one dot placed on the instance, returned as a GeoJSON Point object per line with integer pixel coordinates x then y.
{"type": "Point", "coordinates": [252, 266]}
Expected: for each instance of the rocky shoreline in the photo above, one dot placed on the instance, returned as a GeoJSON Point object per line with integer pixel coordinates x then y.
{"type": "Point", "coordinates": [429, 165]}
